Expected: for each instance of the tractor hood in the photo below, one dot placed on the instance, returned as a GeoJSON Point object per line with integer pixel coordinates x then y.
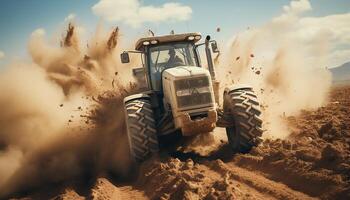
{"type": "Point", "coordinates": [187, 87]}
{"type": "Point", "coordinates": [184, 71]}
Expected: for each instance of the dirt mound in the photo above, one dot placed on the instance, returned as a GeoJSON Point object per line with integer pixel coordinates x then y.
{"type": "Point", "coordinates": [183, 180]}
{"type": "Point", "coordinates": [175, 179]}
{"type": "Point", "coordinates": [69, 194]}
{"type": "Point", "coordinates": [315, 159]}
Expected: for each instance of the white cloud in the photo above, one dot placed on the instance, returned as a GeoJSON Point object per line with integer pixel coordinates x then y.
{"type": "Point", "coordinates": [326, 35]}
{"type": "Point", "coordinates": [293, 11]}
{"type": "Point", "coordinates": [38, 32]}
{"type": "Point", "coordinates": [2, 55]}
{"type": "Point", "coordinates": [297, 6]}
{"type": "Point", "coordinates": [133, 13]}
{"type": "Point", "coordinates": [335, 27]}
{"type": "Point", "coordinates": [70, 17]}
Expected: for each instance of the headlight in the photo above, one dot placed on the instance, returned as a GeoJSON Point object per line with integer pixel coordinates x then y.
{"type": "Point", "coordinates": [190, 37]}
{"type": "Point", "coordinates": [154, 42]}
{"type": "Point", "coordinates": [198, 37]}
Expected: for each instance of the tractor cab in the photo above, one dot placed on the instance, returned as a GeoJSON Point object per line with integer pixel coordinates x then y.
{"type": "Point", "coordinates": [164, 52]}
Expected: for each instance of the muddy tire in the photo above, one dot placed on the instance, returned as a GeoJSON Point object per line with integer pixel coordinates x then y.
{"type": "Point", "coordinates": [141, 129]}
{"type": "Point", "coordinates": [246, 130]}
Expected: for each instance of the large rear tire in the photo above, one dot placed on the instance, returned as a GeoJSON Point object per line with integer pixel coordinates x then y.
{"type": "Point", "coordinates": [242, 104]}
{"type": "Point", "coordinates": [141, 129]}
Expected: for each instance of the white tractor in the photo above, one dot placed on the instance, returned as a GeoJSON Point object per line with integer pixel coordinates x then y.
{"type": "Point", "coordinates": [179, 94]}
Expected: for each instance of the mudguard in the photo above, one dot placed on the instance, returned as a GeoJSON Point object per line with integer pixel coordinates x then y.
{"type": "Point", "coordinates": [236, 87]}
{"type": "Point", "coordinates": [136, 96]}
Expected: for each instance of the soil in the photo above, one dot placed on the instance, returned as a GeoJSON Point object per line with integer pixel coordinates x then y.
{"type": "Point", "coordinates": [312, 163]}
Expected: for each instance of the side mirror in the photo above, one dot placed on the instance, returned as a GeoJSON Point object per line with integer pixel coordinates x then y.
{"type": "Point", "coordinates": [124, 57]}
{"type": "Point", "coordinates": [214, 47]}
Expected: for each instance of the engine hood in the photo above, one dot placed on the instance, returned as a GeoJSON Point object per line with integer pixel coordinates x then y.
{"type": "Point", "coordinates": [184, 71]}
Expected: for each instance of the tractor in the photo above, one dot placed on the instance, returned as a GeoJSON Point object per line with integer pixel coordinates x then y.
{"type": "Point", "coordinates": [181, 95]}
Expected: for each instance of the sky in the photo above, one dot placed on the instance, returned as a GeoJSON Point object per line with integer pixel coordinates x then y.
{"type": "Point", "coordinates": [18, 19]}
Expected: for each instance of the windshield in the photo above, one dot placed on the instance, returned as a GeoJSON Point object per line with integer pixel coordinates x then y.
{"type": "Point", "coordinates": [167, 56]}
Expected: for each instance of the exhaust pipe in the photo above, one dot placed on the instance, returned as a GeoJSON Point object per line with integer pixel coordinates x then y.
{"type": "Point", "coordinates": [216, 84]}
{"type": "Point", "coordinates": [209, 59]}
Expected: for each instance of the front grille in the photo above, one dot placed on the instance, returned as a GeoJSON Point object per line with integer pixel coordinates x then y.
{"type": "Point", "coordinates": [193, 91]}
{"type": "Point", "coordinates": [196, 82]}
{"type": "Point", "coordinates": [194, 99]}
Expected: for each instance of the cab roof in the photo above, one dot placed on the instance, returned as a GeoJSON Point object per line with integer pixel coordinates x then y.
{"type": "Point", "coordinates": [167, 38]}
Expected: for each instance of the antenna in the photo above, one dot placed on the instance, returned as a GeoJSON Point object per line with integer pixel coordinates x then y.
{"type": "Point", "coordinates": [150, 32]}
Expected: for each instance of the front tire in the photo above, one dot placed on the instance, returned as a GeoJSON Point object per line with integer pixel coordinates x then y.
{"type": "Point", "coordinates": [242, 104]}
{"type": "Point", "coordinates": [141, 129]}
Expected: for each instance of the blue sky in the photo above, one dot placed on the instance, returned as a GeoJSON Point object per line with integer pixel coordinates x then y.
{"type": "Point", "coordinates": [19, 18]}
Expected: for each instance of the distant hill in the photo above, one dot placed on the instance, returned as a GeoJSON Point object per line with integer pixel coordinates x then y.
{"type": "Point", "coordinates": [341, 74]}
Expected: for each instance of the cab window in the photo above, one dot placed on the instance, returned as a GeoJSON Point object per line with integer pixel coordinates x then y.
{"type": "Point", "coordinates": [167, 56]}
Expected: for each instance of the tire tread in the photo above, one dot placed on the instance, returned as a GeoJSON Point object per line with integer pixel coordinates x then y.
{"type": "Point", "coordinates": [142, 133]}
{"type": "Point", "coordinates": [247, 129]}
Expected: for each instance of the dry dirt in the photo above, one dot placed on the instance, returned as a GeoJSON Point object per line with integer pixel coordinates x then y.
{"type": "Point", "coordinates": [312, 163]}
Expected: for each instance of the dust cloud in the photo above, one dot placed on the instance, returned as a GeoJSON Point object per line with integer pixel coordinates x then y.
{"type": "Point", "coordinates": [287, 73]}
{"type": "Point", "coordinates": [61, 114]}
